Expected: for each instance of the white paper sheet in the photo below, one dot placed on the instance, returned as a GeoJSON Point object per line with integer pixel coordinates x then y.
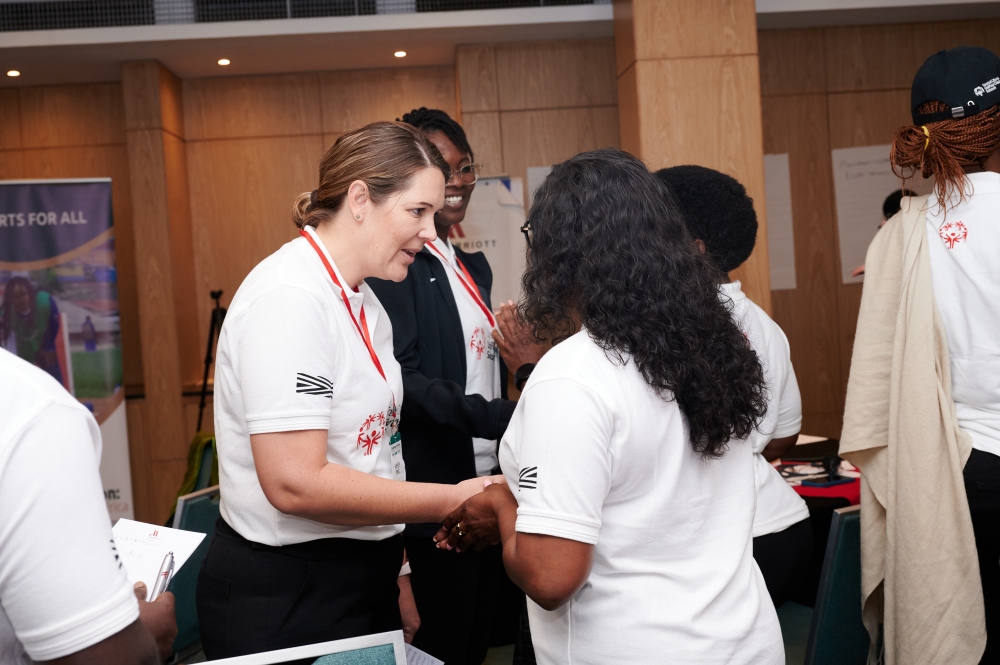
{"type": "Point", "coordinates": [142, 548]}
{"type": "Point", "coordinates": [536, 176]}
{"type": "Point", "coordinates": [780, 238]}
{"type": "Point", "coordinates": [415, 656]}
{"type": "Point", "coordinates": [862, 179]}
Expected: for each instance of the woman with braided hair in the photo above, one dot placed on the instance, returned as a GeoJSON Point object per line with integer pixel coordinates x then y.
{"type": "Point", "coordinates": [922, 416]}
{"type": "Point", "coordinates": [444, 337]}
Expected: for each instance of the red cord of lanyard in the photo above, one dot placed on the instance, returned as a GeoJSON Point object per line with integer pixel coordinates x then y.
{"type": "Point", "coordinates": [363, 326]}
{"type": "Point", "coordinates": [469, 285]}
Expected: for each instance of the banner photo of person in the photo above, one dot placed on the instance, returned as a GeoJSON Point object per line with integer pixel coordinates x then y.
{"type": "Point", "coordinates": [59, 305]}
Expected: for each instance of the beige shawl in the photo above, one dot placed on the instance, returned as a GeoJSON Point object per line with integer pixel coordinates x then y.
{"type": "Point", "coordinates": [920, 571]}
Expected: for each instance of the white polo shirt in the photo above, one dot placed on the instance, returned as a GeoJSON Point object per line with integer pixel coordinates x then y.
{"type": "Point", "coordinates": [965, 270]}
{"type": "Point", "coordinates": [593, 454]}
{"type": "Point", "coordinates": [289, 359]}
{"type": "Point", "coordinates": [62, 588]}
{"type": "Point", "coordinates": [482, 359]}
{"type": "Point", "coordinates": [778, 505]}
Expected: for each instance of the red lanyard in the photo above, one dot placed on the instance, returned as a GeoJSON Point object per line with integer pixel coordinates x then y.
{"type": "Point", "coordinates": [363, 326]}
{"type": "Point", "coordinates": [469, 285]}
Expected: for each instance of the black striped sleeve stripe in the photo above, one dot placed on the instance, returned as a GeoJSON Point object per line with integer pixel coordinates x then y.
{"type": "Point", "coordinates": [528, 478]}
{"type": "Point", "coordinates": [313, 385]}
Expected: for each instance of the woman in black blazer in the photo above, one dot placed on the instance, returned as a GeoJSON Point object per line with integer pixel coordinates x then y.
{"type": "Point", "coordinates": [454, 406]}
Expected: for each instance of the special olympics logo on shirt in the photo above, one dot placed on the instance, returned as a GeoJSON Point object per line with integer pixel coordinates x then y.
{"type": "Point", "coordinates": [478, 342]}
{"type": "Point", "coordinates": [370, 432]}
{"type": "Point", "coordinates": [953, 233]}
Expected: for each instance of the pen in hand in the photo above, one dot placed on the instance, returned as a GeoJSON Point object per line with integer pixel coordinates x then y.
{"type": "Point", "coordinates": [163, 577]}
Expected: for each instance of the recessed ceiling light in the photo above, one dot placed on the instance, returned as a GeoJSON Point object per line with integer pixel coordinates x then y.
{"type": "Point", "coordinates": [400, 54]}
{"type": "Point", "coordinates": [13, 72]}
{"type": "Point", "coordinates": [224, 61]}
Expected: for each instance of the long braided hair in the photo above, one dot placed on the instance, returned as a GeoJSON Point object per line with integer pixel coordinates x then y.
{"type": "Point", "coordinates": [431, 120]}
{"type": "Point", "coordinates": [943, 148]}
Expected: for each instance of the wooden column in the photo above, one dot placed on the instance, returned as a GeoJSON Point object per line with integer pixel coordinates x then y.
{"type": "Point", "coordinates": [689, 93]}
{"type": "Point", "coordinates": [164, 280]}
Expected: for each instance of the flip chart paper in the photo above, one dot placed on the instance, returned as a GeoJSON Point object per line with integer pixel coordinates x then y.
{"type": "Point", "coordinates": [862, 179]}
{"type": "Point", "coordinates": [141, 548]}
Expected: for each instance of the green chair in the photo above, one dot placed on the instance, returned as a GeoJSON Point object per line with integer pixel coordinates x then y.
{"type": "Point", "coordinates": [199, 512]}
{"type": "Point", "coordinates": [837, 635]}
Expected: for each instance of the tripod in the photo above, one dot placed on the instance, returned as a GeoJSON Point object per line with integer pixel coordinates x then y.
{"type": "Point", "coordinates": [218, 316]}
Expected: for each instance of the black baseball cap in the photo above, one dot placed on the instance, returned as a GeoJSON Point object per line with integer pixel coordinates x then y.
{"type": "Point", "coordinates": [966, 78]}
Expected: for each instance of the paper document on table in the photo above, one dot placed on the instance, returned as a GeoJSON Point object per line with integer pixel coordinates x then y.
{"type": "Point", "coordinates": [415, 656]}
{"type": "Point", "coordinates": [142, 547]}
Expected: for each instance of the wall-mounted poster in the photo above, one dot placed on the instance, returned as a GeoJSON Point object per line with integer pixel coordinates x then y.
{"type": "Point", "coordinates": [780, 235]}
{"type": "Point", "coordinates": [59, 304]}
{"type": "Point", "coordinates": [492, 226]}
{"type": "Point", "coordinates": [862, 179]}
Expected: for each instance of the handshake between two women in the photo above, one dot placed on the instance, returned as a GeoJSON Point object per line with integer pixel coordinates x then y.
{"type": "Point", "coordinates": [480, 520]}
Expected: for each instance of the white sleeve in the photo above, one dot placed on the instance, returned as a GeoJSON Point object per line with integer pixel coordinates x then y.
{"type": "Point", "coordinates": [61, 584]}
{"type": "Point", "coordinates": [564, 457]}
{"type": "Point", "coordinates": [790, 400]}
{"type": "Point", "coordinates": [286, 365]}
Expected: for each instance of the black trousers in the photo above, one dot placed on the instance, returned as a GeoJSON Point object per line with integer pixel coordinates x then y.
{"type": "Point", "coordinates": [254, 598]}
{"type": "Point", "coordinates": [455, 594]}
{"type": "Point", "coordinates": [982, 487]}
{"type": "Point", "coordinates": [783, 559]}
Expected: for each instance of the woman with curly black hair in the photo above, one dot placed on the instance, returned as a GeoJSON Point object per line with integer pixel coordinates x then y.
{"type": "Point", "coordinates": [629, 502]}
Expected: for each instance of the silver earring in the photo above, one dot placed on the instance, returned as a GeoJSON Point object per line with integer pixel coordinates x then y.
{"type": "Point", "coordinates": [357, 216]}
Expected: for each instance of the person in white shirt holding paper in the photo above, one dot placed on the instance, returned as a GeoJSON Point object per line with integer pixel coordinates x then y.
{"type": "Point", "coordinates": [64, 596]}
{"type": "Point", "coordinates": [720, 216]}
{"type": "Point", "coordinates": [307, 401]}
{"type": "Point", "coordinates": [628, 508]}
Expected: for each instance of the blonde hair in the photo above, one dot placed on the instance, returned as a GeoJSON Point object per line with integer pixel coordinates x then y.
{"type": "Point", "coordinates": [383, 155]}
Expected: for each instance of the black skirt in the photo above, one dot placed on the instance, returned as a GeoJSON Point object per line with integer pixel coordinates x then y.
{"type": "Point", "coordinates": [253, 598]}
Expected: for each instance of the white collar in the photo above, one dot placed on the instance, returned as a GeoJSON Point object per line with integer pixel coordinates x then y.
{"type": "Point", "coordinates": [446, 248]}
{"type": "Point", "coordinates": [352, 295]}
{"type": "Point", "coordinates": [733, 289]}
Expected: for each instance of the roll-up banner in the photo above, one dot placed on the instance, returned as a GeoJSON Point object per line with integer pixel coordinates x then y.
{"type": "Point", "coordinates": [492, 226]}
{"type": "Point", "coordinates": [59, 304]}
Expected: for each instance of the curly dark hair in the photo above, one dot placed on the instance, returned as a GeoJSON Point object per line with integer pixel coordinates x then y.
{"type": "Point", "coordinates": [435, 120]}
{"type": "Point", "coordinates": [609, 251]}
{"type": "Point", "coordinates": [716, 210]}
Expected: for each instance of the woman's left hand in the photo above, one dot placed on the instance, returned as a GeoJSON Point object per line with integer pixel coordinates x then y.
{"type": "Point", "coordinates": [474, 525]}
{"type": "Point", "coordinates": [514, 339]}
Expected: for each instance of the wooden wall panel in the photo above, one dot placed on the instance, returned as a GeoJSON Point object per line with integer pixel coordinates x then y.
{"type": "Point", "coordinates": [791, 62]}
{"type": "Point", "coordinates": [545, 75]}
{"type": "Point", "coordinates": [10, 119]}
{"type": "Point", "coordinates": [880, 57]}
{"type": "Point", "coordinates": [241, 200]}
{"type": "Point", "coordinates": [483, 132]}
{"type": "Point", "coordinates": [239, 107]}
{"type": "Point", "coordinates": [682, 124]}
{"type": "Point", "coordinates": [540, 138]}
{"type": "Point", "coordinates": [797, 125]}
{"type": "Point", "coordinates": [664, 30]}
{"type": "Point", "coordinates": [355, 98]}
{"type": "Point", "coordinates": [476, 77]}
{"type": "Point", "coordinates": [58, 116]}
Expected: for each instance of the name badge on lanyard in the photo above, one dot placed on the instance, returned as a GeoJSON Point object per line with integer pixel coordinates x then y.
{"type": "Point", "coordinates": [390, 429]}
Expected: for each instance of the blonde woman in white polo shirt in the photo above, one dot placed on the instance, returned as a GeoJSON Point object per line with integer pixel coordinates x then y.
{"type": "Point", "coordinates": [307, 399]}
{"type": "Point", "coordinates": [630, 506]}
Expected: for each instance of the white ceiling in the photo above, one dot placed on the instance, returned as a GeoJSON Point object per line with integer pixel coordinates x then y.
{"type": "Point", "coordinates": [363, 42]}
